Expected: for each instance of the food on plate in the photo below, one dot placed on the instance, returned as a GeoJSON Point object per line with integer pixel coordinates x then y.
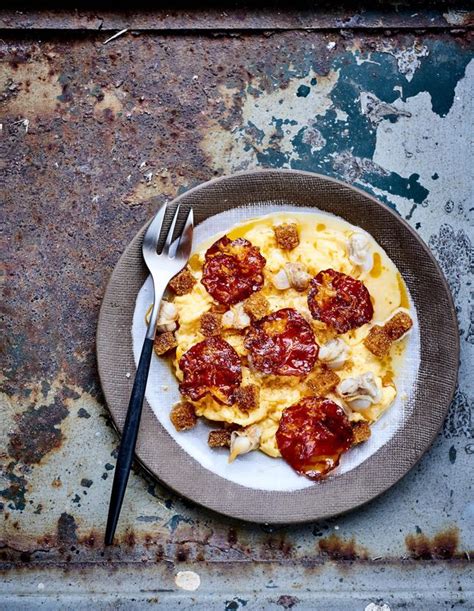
{"type": "Point", "coordinates": [164, 342]}
{"type": "Point", "coordinates": [256, 306]}
{"type": "Point", "coordinates": [183, 416]}
{"type": "Point", "coordinates": [282, 344]}
{"type": "Point", "coordinates": [322, 380]}
{"type": "Point", "coordinates": [182, 283]}
{"type": "Point", "coordinates": [340, 301]}
{"type": "Point", "coordinates": [210, 367]}
{"type": "Point", "coordinates": [292, 275]}
{"type": "Point", "coordinates": [219, 438]}
{"type": "Point", "coordinates": [380, 338]}
{"type": "Point", "coordinates": [246, 397]}
{"type": "Point", "coordinates": [334, 353]}
{"type": "Point", "coordinates": [211, 323]}
{"type": "Point", "coordinates": [313, 434]}
{"type": "Point", "coordinates": [233, 270]}
{"type": "Point", "coordinates": [289, 333]}
{"type": "Point", "coordinates": [361, 431]}
{"type": "Point", "coordinates": [244, 441]}
{"type": "Point", "coordinates": [286, 235]}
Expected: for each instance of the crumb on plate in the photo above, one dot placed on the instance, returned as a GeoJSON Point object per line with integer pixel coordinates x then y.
{"type": "Point", "coordinates": [219, 439]}
{"type": "Point", "coordinates": [183, 416]}
{"type": "Point", "coordinates": [361, 430]}
{"type": "Point", "coordinates": [398, 325]}
{"type": "Point", "coordinates": [183, 282]}
{"type": "Point", "coordinates": [164, 342]}
{"type": "Point", "coordinates": [379, 339]}
{"type": "Point", "coordinates": [246, 397]}
{"type": "Point", "coordinates": [211, 323]}
{"type": "Point", "coordinates": [256, 306]}
{"type": "Point", "coordinates": [287, 236]}
{"type": "Point", "coordinates": [322, 380]}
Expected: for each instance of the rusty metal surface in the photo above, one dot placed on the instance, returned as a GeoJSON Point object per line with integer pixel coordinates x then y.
{"type": "Point", "coordinates": [301, 15]}
{"type": "Point", "coordinates": [89, 132]}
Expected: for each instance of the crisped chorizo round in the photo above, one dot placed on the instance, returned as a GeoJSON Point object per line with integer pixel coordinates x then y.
{"type": "Point", "coordinates": [282, 343]}
{"type": "Point", "coordinates": [233, 270]}
{"type": "Point", "coordinates": [340, 301]}
{"type": "Point", "coordinates": [312, 436]}
{"type": "Point", "coordinates": [211, 366]}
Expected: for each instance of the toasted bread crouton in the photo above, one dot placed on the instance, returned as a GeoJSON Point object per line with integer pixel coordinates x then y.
{"type": "Point", "coordinates": [322, 380]}
{"type": "Point", "coordinates": [377, 341]}
{"type": "Point", "coordinates": [164, 342]}
{"type": "Point", "coordinates": [219, 439]}
{"type": "Point", "coordinates": [183, 282]}
{"type": "Point", "coordinates": [361, 430]}
{"type": "Point", "coordinates": [256, 306]}
{"type": "Point", "coordinates": [247, 397]}
{"type": "Point", "coordinates": [211, 323]}
{"type": "Point", "coordinates": [183, 416]}
{"type": "Point", "coordinates": [398, 325]}
{"type": "Point", "coordinates": [287, 236]}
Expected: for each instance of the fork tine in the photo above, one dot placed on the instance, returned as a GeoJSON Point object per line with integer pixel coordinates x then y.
{"type": "Point", "coordinates": [169, 237]}
{"type": "Point", "coordinates": [152, 234]}
{"type": "Point", "coordinates": [183, 250]}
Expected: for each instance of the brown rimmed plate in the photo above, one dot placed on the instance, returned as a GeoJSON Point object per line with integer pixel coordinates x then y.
{"type": "Point", "coordinates": [167, 461]}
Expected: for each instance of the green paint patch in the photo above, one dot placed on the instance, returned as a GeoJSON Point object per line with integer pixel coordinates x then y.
{"type": "Point", "coordinates": [303, 91]}
{"type": "Point", "coordinates": [15, 492]}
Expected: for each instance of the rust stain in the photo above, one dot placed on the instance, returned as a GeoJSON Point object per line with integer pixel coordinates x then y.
{"type": "Point", "coordinates": [232, 537]}
{"type": "Point", "coordinates": [32, 89]}
{"type": "Point", "coordinates": [108, 107]}
{"type": "Point", "coordinates": [90, 540]}
{"type": "Point", "coordinates": [38, 431]}
{"type": "Point", "coordinates": [339, 549]}
{"type": "Point", "coordinates": [182, 552]}
{"type": "Point", "coordinates": [67, 530]}
{"type": "Point", "coordinates": [129, 538]}
{"type": "Point", "coordinates": [443, 545]}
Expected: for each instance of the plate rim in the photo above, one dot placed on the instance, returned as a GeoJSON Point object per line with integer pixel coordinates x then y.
{"type": "Point", "coordinates": [452, 374]}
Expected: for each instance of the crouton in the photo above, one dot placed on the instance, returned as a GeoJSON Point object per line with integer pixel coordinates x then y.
{"type": "Point", "coordinates": [322, 380]}
{"type": "Point", "coordinates": [361, 430]}
{"type": "Point", "coordinates": [287, 236]}
{"type": "Point", "coordinates": [377, 341]}
{"type": "Point", "coordinates": [256, 306]}
{"type": "Point", "coordinates": [398, 325]}
{"type": "Point", "coordinates": [164, 342]}
{"type": "Point", "coordinates": [183, 282]}
{"type": "Point", "coordinates": [211, 324]}
{"type": "Point", "coordinates": [246, 397]}
{"type": "Point", "coordinates": [183, 416]}
{"type": "Point", "coordinates": [219, 439]}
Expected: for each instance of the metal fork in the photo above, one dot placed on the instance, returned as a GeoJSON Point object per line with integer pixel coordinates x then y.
{"type": "Point", "coordinates": [162, 267]}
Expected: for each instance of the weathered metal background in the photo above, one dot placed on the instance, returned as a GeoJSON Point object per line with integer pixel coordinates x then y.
{"type": "Point", "coordinates": [89, 132]}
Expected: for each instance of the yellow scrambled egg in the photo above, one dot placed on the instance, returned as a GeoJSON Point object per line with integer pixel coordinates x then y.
{"type": "Point", "coordinates": [323, 244]}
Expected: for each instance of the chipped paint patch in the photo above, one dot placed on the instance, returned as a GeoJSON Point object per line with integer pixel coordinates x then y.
{"type": "Point", "coordinates": [29, 89]}
{"type": "Point", "coordinates": [408, 59]}
{"type": "Point", "coordinates": [187, 580]}
{"type": "Point", "coordinates": [271, 122]}
{"type": "Point", "coordinates": [377, 110]}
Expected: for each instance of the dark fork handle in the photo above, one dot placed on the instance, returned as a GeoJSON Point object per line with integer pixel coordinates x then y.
{"type": "Point", "coordinates": [129, 440]}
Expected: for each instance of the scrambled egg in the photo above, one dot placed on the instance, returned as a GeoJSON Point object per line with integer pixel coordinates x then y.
{"type": "Point", "coordinates": [323, 244]}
